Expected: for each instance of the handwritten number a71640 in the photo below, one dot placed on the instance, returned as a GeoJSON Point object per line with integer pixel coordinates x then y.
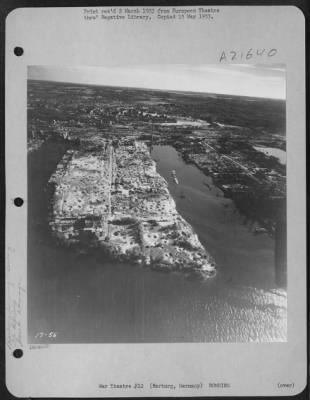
{"type": "Point", "coordinates": [232, 55]}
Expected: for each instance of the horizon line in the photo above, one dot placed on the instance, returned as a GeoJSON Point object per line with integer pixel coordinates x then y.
{"type": "Point", "coordinates": [159, 90]}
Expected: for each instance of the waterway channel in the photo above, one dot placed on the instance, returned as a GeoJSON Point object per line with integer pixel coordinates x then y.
{"type": "Point", "coordinates": [86, 299]}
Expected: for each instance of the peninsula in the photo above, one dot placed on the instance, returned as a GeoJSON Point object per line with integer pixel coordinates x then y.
{"type": "Point", "coordinates": [110, 196]}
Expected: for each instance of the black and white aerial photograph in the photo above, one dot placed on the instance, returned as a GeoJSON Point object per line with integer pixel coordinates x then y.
{"type": "Point", "coordinates": [157, 204]}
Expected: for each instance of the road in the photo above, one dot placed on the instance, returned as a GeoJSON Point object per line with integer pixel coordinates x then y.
{"type": "Point", "coordinates": [109, 187]}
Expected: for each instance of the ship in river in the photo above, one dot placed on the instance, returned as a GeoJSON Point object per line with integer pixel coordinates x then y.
{"type": "Point", "coordinates": [174, 177]}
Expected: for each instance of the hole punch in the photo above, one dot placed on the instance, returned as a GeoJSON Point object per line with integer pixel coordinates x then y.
{"type": "Point", "coordinates": [18, 201]}
{"type": "Point", "coordinates": [18, 353]}
{"type": "Point", "coordinates": [18, 51]}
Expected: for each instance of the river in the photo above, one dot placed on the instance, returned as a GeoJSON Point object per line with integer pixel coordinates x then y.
{"type": "Point", "coordinates": [87, 299]}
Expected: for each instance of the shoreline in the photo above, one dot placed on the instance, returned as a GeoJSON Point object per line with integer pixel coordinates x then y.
{"type": "Point", "coordinates": [263, 228]}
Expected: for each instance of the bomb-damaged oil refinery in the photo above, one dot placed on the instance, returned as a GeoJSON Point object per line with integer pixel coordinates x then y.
{"type": "Point", "coordinates": [239, 143]}
{"type": "Point", "coordinates": [174, 198]}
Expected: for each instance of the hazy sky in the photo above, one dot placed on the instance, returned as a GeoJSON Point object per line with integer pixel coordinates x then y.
{"type": "Point", "coordinates": [237, 79]}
